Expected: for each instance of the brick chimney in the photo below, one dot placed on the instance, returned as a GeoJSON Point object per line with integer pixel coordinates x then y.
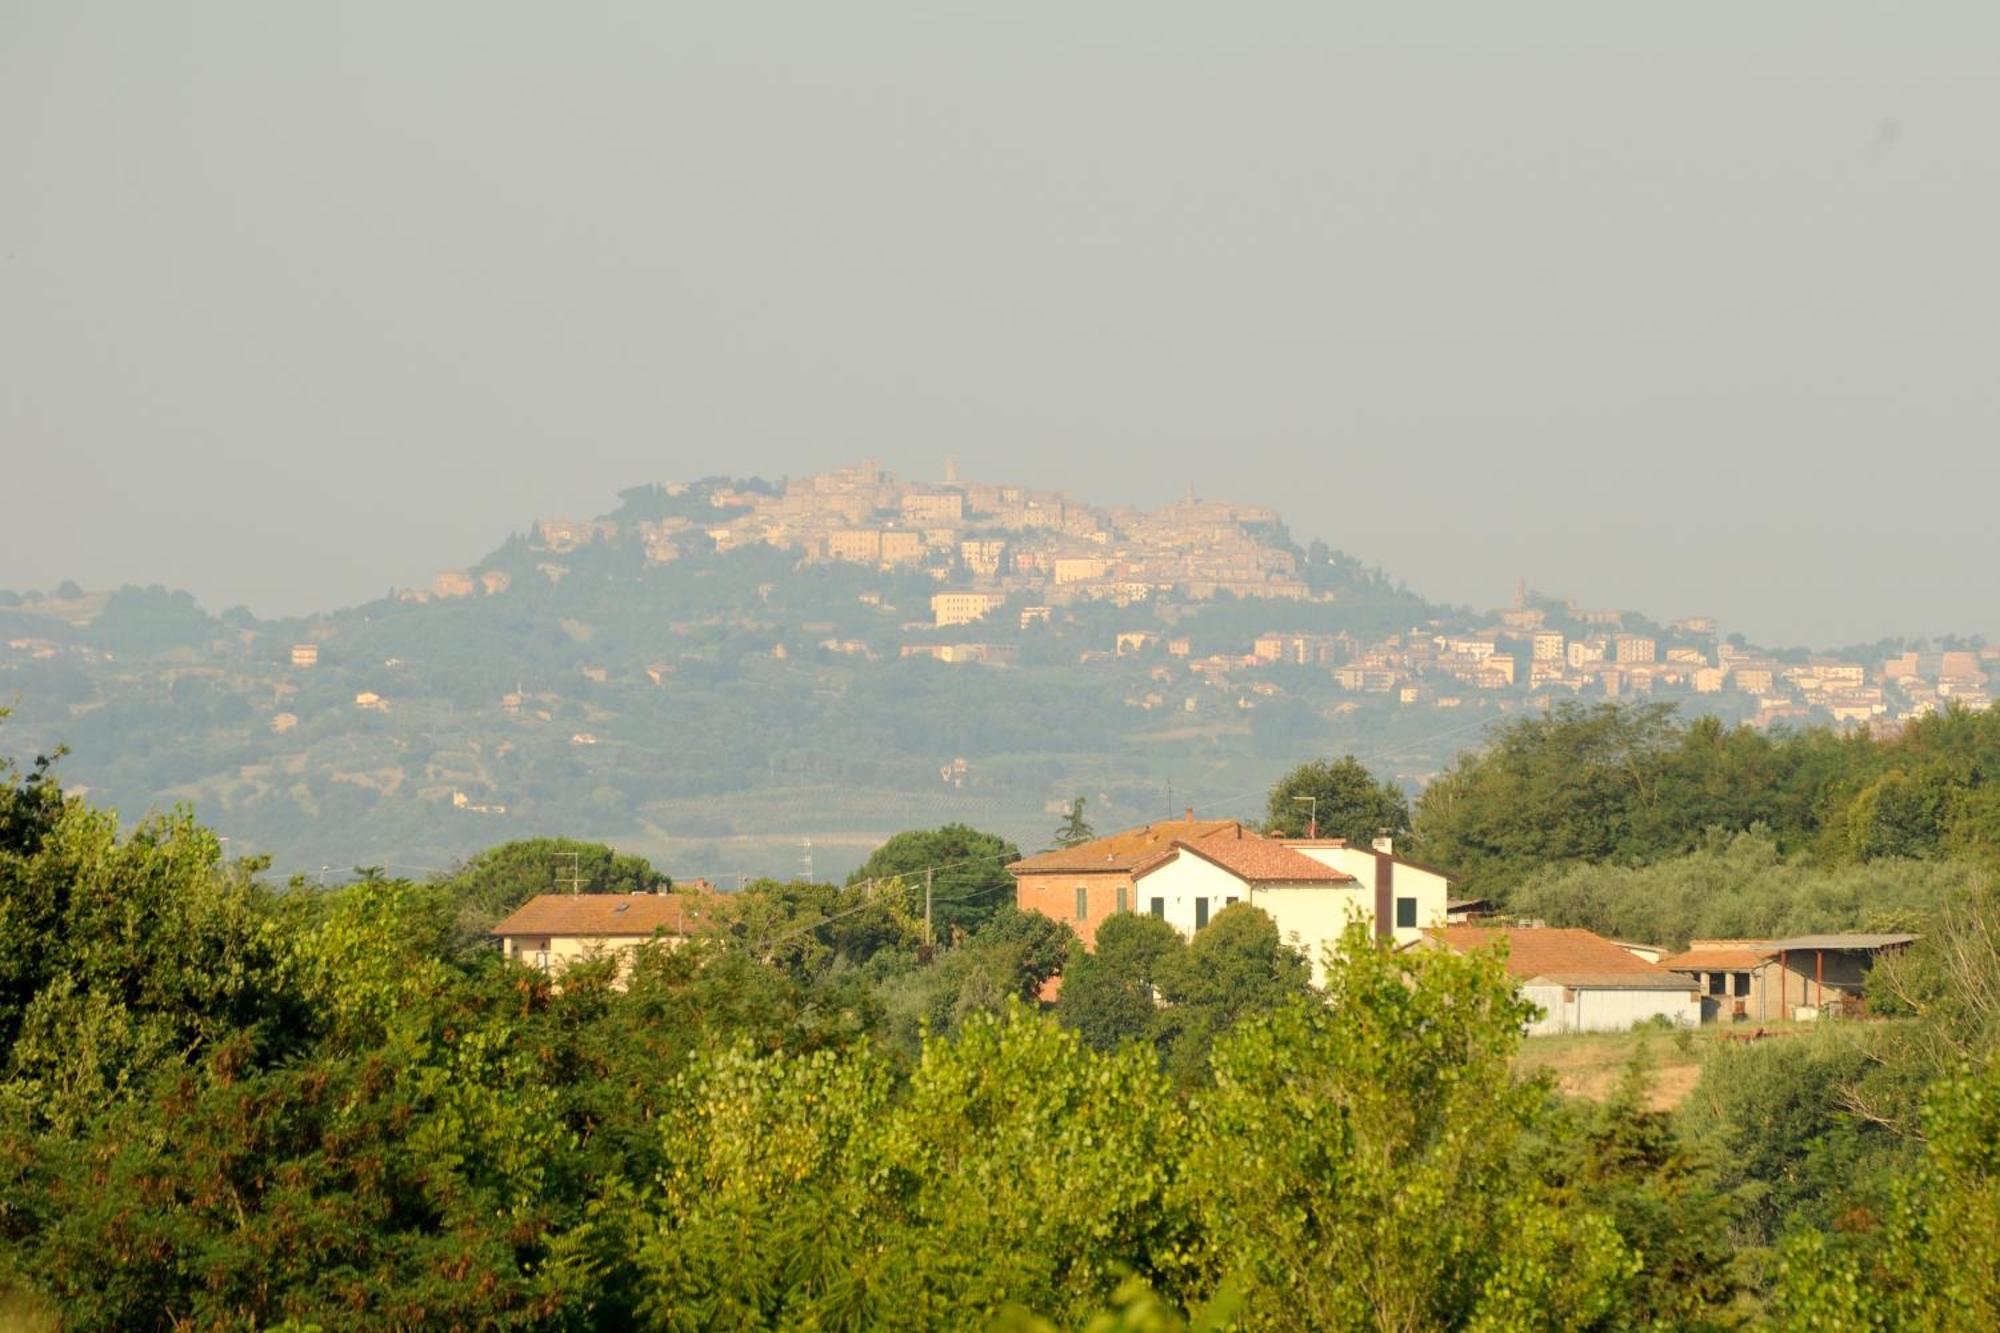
{"type": "Point", "coordinates": [1385, 892]}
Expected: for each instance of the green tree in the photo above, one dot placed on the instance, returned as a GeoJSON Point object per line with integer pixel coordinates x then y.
{"type": "Point", "coordinates": [1631, 1162]}
{"type": "Point", "coordinates": [1344, 799]}
{"type": "Point", "coordinates": [1108, 995]}
{"type": "Point", "coordinates": [1932, 1265]}
{"type": "Point", "coordinates": [1356, 1163]}
{"type": "Point", "coordinates": [1075, 829]}
{"type": "Point", "coordinates": [1234, 967]}
{"type": "Point", "coordinates": [970, 878]}
{"type": "Point", "coordinates": [496, 881]}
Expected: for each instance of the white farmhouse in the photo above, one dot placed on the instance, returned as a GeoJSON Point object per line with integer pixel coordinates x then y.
{"type": "Point", "coordinates": [1408, 897]}
{"type": "Point", "coordinates": [1312, 902]}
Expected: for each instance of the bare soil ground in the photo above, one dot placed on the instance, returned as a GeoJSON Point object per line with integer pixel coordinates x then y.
{"type": "Point", "coordinates": [1590, 1064]}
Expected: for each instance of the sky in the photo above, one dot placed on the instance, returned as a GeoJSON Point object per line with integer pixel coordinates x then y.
{"type": "Point", "coordinates": [1690, 309]}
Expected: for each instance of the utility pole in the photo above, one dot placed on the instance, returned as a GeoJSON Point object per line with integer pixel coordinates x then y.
{"type": "Point", "coordinates": [806, 858]}
{"type": "Point", "coordinates": [930, 936]}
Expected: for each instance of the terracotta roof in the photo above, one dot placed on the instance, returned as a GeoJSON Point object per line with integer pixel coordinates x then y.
{"type": "Point", "coordinates": [612, 914]}
{"type": "Point", "coordinates": [1256, 860]}
{"type": "Point", "coordinates": [1715, 960]}
{"type": "Point", "coordinates": [1127, 850]}
{"type": "Point", "coordinates": [1577, 956]}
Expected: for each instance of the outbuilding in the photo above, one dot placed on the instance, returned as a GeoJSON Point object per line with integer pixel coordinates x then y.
{"type": "Point", "coordinates": [1582, 981]}
{"type": "Point", "coordinates": [1824, 974]}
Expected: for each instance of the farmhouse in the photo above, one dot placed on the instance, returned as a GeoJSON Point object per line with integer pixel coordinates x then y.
{"type": "Point", "coordinates": [1186, 870]}
{"type": "Point", "coordinates": [551, 931]}
{"type": "Point", "coordinates": [1311, 902]}
{"type": "Point", "coordinates": [1087, 883]}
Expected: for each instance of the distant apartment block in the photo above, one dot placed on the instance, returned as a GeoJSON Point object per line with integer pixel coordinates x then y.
{"type": "Point", "coordinates": [305, 655]}
{"type": "Point", "coordinates": [1586, 652]}
{"type": "Point", "coordinates": [902, 548]}
{"type": "Point", "coordinates": [934, 509]}
{"type": "Point", "coordinates": [1634, 648]}
{"type": "Point", "coordinates": [863, 545]}
{"type": "Point", "coordinates": [962, 608]}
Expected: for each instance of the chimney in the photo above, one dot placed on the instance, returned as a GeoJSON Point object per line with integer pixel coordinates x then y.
{"type": "Point", "coordinates": [1385, 845]}
{"type": "Point", "coordinates": [1190, 816]}
{"type": "Point", "coordinates": [1385, 892]}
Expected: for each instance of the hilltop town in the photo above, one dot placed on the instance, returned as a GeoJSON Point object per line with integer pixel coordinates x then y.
{"type": "Point", "coordinates": [724, 670]}
{"type": "Point", "coordinates": [1002, 552]}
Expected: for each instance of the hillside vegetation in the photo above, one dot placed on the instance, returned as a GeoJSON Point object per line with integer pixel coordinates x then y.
{"type": "Point", "coordinates": [229, 1102]}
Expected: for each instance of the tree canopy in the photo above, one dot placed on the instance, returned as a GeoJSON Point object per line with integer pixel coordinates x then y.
{"type": "Point", "coordinates": [1342, 798]}
{"type": "Point", "coordinates": [970, 880]}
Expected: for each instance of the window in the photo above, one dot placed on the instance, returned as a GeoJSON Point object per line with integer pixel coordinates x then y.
{"type": "Point", "coordinates": [1159, 908]}
{"type": "Point", "coordinates": [1082, 903]}
{"type": "Point", "coordinates": [1122, 903]}
{"type": "Point", "coordinates": [1718, 983]}
{"type": "Point", "coordinates": [1742, 984]}
{"type": "Point", "coordinates": [1406, 914]}
{"type": "Point", "coordinates": [1200, 913]}
{"type": "Point", "coordinates": [1230, 902]}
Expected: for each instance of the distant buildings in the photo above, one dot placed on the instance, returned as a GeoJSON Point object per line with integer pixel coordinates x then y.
{"type": "Point", "coordinates": [962, 608]}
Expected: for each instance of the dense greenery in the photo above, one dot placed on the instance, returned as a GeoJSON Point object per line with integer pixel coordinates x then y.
{"type": "Point", "coordinates": [1342, 799]}
{"type": "Point", "coordinates": [967, 868]}
{"type": "Point", "coordinates": [229, 1103]}
{"type": "Point", "coordinates": [1631, 786]}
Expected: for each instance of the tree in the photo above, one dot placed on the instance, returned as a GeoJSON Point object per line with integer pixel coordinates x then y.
{"type": "Point", "coordinates": [1075, 829]}
{"type": "Point", "coordinates": [1108, 995]}
{"type": "Point", "coordinates": [1235, 966]}
{"type": "Point", "coordinates": [1357, 1163]}
{"type": "Point", "coordinates": [496, 881]}
{"type": "Point", "coordinates": [1932, 1265]}
{"type": "Point", "coordinates": [970, 872]}
{"type": "Point", "coordinates": [1344, 798]}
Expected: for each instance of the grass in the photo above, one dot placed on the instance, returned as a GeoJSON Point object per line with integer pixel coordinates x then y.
{"type": "Point", "coordinates": [1589, 1064]}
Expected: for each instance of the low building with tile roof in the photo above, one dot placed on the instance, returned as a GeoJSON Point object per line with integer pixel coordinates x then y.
{"type": "Point", "coordinates": [1582, 981]}
{"type": "Point", "coordinates": [1738, 981]}
{"type": "Point", "coordinates": [551, 931]}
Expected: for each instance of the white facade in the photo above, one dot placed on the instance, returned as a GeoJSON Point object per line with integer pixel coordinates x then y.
{"type": "Point", "coordinates": [1588, 1008]}
{"type": "Point", "coordinates": [1418, 895]}
{"type": "Point", "coordinates": [1188, 890]}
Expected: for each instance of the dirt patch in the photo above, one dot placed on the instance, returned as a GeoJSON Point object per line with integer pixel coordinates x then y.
{"type": "Point", "coordinates": [1591, 1066]}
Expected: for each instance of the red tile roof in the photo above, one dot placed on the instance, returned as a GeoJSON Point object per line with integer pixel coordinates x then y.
{"type": "Point", "coordinates": [598, 915]}
{"type": "Point", "coordinates": [1124, 851]}
{"type": "Point", "coordinates": [1256, 860]}
{"type": "Point", "coordinates": [1556, 953]}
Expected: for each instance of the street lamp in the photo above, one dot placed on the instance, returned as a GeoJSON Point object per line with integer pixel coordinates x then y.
{"type": "Point", "coordinates": [1312, 815]}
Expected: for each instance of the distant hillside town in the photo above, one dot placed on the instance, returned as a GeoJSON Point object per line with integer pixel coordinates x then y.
{"type": "Point", "coordinates": [726, 669]}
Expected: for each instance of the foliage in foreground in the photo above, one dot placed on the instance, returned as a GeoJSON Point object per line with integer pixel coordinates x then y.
{"type": "Point", "coordinates": [222, 1104]}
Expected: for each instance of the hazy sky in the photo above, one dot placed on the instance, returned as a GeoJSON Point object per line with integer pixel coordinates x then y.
{"type": "Point", "coordinates": [1692, 308]}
